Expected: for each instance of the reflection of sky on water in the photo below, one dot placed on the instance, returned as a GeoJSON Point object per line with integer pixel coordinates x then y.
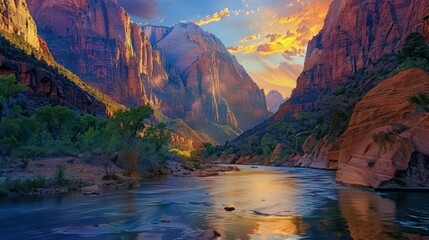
{"type": "Point", "coordinates": [271, 203]}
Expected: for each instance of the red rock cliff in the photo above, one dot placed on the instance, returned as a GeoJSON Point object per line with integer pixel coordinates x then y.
{"type": "Point", "coordinates": [368, 161]}
{"type": "Point", "coordinates": [355, 33]}
{"type": "Point", "coordinates": [207, 84]}
{"type": "Point", "coordinates": [97, 41]}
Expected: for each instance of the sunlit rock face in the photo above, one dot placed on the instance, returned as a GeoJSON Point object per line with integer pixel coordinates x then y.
{"type": "Point", "coordinates": [15, 18]}
{"type": "Point", "coordinates": [97, 41]}
{"type": "Point", "coordinates": [385, 144]}
{"type": "Point", "coordinates": [43, 82]}
{"type": "Point", "coordinates": [274, 100]}
{"type": "Point", "coordinates": [206, 83]}
{"type": "Point", "coordinates": [356, 32]}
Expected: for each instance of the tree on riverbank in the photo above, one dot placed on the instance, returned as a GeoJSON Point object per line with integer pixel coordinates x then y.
{"type": "Point", "coordinates": [52, 131]}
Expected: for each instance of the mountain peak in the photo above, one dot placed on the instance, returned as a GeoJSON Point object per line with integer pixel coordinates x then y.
{"type": "Point", "coordinates": [274, 100]}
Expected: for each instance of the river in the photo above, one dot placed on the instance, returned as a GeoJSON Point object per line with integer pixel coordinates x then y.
{"type": "Point", "coordinates": [271, 203]}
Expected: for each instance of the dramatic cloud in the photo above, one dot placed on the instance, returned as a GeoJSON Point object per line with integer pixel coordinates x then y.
{"type": "Point", "coordinates": [250, 38]}
{"type": "Point", "coordinates": [304, 22]}
{"type": "Point", "coordinates": [216, 17]}
{"type": "Point", "coordinates": [293, 52]}
{"type": "Point", "coordinates": [140, 8]}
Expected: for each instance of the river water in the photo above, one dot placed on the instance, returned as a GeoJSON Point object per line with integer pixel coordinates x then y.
{"type": "Point", "coordinates": [271, 203]}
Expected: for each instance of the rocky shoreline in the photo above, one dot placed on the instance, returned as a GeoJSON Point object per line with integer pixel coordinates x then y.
{"type": "Point", "coordinates": [61, 175]}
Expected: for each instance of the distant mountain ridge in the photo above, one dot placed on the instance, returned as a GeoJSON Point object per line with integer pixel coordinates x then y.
{"type": "Point", "coordinates": [274, 100]}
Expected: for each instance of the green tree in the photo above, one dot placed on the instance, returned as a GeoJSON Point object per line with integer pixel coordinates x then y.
{"type": "Point", "coordinates": [157, 136]}
{"type": "Point", "coordinates": [55, 120]}
{"type": "Point", "coordinates": [414, 47]}
{"type": "Point", "coordinates": [131, 121]}
{"type": "Point", "coordinates": [9, 87]}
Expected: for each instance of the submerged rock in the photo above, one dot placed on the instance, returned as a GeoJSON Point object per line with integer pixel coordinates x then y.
{"type": "Point", "coordinates": [229, 209]}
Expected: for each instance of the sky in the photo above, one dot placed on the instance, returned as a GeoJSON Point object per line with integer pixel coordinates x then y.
{"type": "Point", "coordinates": [268, 37]}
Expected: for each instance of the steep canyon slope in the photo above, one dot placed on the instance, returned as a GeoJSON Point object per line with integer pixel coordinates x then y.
{"type": "Point", "coordinates": [183, 71]}
{"type": "Point", "coordinates": [206, 83]}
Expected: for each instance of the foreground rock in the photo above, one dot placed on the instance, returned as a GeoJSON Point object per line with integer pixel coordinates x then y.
{"type": "Point", "coordinates": [214, 171]}
{"type": "Point", "coordinates": [385, 145]}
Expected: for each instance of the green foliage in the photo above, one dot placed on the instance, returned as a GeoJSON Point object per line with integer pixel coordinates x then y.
{"type": "Point", "coordinates": [9, 87]}
{"type": "Point", "coordinates": [54, 120]}
{"type": "Point", "coordinates": [415, 53]}
{"type": "Point", "coordinates": [420, 99]}
{"type": "Point", "coordinates": [60, 176]}
{"type": "Point", "coordinates": [58, 131]}
{"type": "Point", "coordinates": [209, 149]}
{"type": "Point", "coordinates": [131, 121]}
{"type": "Point", "coordinates": [414, 47]}
{"type": "Point", "coordinates": [269, 143]}
{"type": "Point", "coordinates": [30, 186]}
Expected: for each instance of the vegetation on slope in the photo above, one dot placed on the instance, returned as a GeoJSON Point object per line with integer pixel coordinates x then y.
{"type": "Point", "coordinates": [14, 47]}
{"type": "Point", "coordinates": [330, 116]}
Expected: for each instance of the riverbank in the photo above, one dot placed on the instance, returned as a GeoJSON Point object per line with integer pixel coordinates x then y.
{"type": "Point", "coordinates": [48, 176]}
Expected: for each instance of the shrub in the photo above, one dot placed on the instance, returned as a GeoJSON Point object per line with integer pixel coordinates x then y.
{"type": "Point", "coordinates": [60, 176]}
{"type": "Point", "coordinates": [421, 100]}
{"type": "Point", "coordinates": [385, 140]}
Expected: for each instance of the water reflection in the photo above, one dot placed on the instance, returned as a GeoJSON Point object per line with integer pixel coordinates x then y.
{"type": "Point", "coordinates": [271, 203]}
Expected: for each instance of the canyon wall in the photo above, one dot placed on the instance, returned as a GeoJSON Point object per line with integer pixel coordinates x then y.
{"type": "Point", "coordinates": [15, 19]}
{"type": "Point", "coordinates": [97, 41]}
{"type": "Point", "coordinates": [206, 83]}
{"type": "Point", "coordinates": [356, 33]}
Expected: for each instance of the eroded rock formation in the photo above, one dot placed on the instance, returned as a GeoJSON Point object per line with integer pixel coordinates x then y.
{"type": "Point", "coordinates": [387, 136]}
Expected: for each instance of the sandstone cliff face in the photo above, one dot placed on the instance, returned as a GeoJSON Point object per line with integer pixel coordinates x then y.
{"type": "Point", "coordinates": [97, 41]}
{"type": "Point", "coordinates": [46, 83]}
{"type": "Point", "coordinates": [357, 32]}
{"type": "Point", "coordinates": [399, 154]}
{"type": "Point", "coordinates": [206, 84]}
{"type": "Point", "coordinates": [15, 18]}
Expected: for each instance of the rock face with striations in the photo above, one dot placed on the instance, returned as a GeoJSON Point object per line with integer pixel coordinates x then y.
{"type": "Point", "coordinates": [206, 84]}
{"type": "Point", "coordinates": [97, 41]}
{"type": "Point", "coordinates": [356, 32]}
{"type": "Point", "coordinates": [15, 19]}
{"type": "Point", "coordinates": [385, 144]}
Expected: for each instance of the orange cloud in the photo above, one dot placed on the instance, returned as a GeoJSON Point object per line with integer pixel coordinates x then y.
{"type": "Point", "coordinates": [250, 38]}
{"type": "Point", "coordinates": [216, 17]}
{"type": "Point", "coordinates": [303, 24]}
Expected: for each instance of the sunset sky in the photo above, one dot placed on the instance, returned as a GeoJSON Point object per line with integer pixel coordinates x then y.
{"type": "Point", "coordinates": [268, 37]}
